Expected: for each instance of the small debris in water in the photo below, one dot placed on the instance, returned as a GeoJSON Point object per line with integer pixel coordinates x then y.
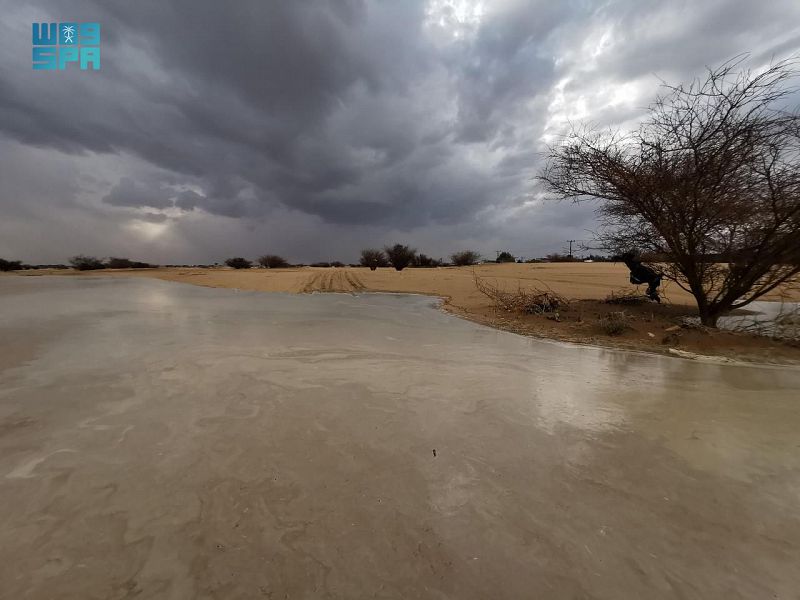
{"type": "Point", "coordinates": [434, 452]}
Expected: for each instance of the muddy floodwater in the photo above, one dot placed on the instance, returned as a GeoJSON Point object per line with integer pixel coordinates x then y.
{"type": "Point", "coordinates": [160, 440]}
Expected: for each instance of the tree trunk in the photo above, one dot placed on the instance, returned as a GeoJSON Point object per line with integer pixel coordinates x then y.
{"type": "Point", "coordinates": [708, 313]}
{"type": "Point", "coordinates": [708, 318]}
{"type": "Point", "coordinates": [712, 311]}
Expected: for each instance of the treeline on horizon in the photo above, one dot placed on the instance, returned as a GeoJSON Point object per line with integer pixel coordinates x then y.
{"type": "Point", "coordinates": [401, 256]}
{"type": "Point", "coordinates": [79, 262]}
{"type": "Point", "coordinates": [398, 256]}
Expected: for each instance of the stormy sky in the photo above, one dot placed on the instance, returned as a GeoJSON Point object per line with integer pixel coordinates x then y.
{"type": "Point", "coordinates": [312, 129]}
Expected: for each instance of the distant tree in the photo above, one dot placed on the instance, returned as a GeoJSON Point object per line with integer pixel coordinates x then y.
{"type": "Point", "coordinates": [337, 263]}
{"type": "Point", "coordinates": [556, 257]}
{"type": "Point", "coordinates": [423, 260]}
{"type": "Point", "coordinates": [239, 263]}
{"type": "Point", "coordinates": [465, 258]}
{"type": "Point", "coordinates": [86, 263]}
{"type": "Point", "coordinates": [126, 263]}
{"type": "Point", "coordinates": [505, 257]}
{"type": "Point", "coordinates": [373, 258]}
{"type": "Point", "coordinates": [321, 264]}
{"type": "Point", "coordinates": [400, 256]}
{"type": "Point", "coordinates": [710, 182]}
{"type": "Point", "coordinates": [10, 265]}
{"type": "Point", "coordinates": [118, 263]}
{"type": "Point", "coordinates": [272, 261]}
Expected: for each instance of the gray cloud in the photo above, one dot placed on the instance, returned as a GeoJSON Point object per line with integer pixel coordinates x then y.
{"type": "Point", "coordinates": [129, 193]}
{"type": "Point", "coordinates": [323, 126]}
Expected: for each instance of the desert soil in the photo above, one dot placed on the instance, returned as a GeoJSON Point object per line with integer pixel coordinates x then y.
{"type": "Point", "coordinates": [586, 285]}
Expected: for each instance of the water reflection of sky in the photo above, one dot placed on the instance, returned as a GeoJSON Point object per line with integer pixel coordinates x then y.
{"type": "Point", "coordinates": [767, 318]}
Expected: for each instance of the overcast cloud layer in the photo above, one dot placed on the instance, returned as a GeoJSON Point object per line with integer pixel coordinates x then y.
{"type": "Point", "coordinates": [313, 129]}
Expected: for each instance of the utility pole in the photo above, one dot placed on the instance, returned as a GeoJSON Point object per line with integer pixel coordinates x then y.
{"type": "Point", "coordinates": [570, 246]}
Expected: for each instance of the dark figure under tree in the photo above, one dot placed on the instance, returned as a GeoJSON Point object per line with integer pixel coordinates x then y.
{"type": "Point", "coordinates": [641, 274]}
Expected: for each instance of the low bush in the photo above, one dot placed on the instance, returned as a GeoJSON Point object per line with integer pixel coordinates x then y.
{"type": "Point", "coordinates": [614, 323]}
{"type": "Point", "coordinates": [238, 263]}
{"type": "Point", "coordinates": [10, 265]}
{"type": "Point", "coordinates": [86, 263]}
{"type": "Point", "coordinates": [534, 301]}
{"type": "Point", "coordinates": [561, 258]}
{"type": "Point", "coordinates": [465, 258]}
{"type": "Point", "coordinates": [273, 261]}
{"type": "Point", "coordinates": [427, 262]}
{"type": "Point", "coordinates": [126, 263]}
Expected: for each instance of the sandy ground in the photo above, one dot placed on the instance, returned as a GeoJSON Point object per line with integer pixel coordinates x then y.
{"type": "Point", "coordinates": [586, 285]}
{"type": "Point", "coordinates": [577, 281]}
{"type": "Point", "coordinates": [175, 442]}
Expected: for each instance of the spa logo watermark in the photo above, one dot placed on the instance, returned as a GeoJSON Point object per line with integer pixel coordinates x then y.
{"type": "Point", "coordinates": [57, 46]}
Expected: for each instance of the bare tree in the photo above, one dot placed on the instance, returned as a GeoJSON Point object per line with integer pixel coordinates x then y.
{"type": "Point", "coordinates": [86, 263]}
{"type": "Point", "coordinates": [238, 263]}
{"type": "Point", "coordinates": [709, 185]}
{"type": "Point", "coordinates": [273, 261]}
{"type": "Point", "coordinates": [373, 258]}
{"type": "Point", "coordinates": [425, 261]}
{"type": "Point", "coordinates": [465, 258]}
{"type": "Point", "coordinates": [400, 256]}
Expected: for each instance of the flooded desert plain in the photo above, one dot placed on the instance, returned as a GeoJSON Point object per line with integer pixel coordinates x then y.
{"type": "Point", "coordinates": [163, 440]}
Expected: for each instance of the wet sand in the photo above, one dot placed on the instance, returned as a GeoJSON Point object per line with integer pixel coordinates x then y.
{"type": "Point", "coordinates": [169, 441]}
{"type": "Point", "coordinates": [578, 281]}
{"type": "Point", "coordinates": [584, 285]}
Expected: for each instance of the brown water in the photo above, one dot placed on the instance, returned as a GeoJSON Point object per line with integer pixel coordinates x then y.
{"type": "Point", "coordinates": [159, 440]}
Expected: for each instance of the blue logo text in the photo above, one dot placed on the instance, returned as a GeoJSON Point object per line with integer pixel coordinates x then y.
{"type": "Point", "coordinates": [56, 45]}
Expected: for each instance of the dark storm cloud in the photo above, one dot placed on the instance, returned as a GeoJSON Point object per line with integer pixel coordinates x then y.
{"type": "Point", "coordinates": [396, 116]}
{"type": "Point", "coordinates": [505, 66]}
{"type": "Point", "coordinates": [245, 101]}
{"type": "Point", "coordinates": [129, 193]}
{"type": "Point", "coordinates": [188, 200]}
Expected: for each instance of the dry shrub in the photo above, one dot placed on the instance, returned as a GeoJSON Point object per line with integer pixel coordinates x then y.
{"type": "Point", "coordinates": [465, 258]}
{"type": "Point", "coordinates": [787, 325]}
{"type": "Point", "coordinates": [626, 298]}
{"type": "Point", "coordinates": [531, 302]}
{"type": "Point", "coordinates": [273, 261]}
{"type": "Point", "coordinates": [238, 263]}
{"type": "Point", "coordinates": [614, 323]}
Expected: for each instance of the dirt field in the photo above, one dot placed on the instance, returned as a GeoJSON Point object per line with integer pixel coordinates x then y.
{"type": "Point", "coordinates": [585, 284]}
